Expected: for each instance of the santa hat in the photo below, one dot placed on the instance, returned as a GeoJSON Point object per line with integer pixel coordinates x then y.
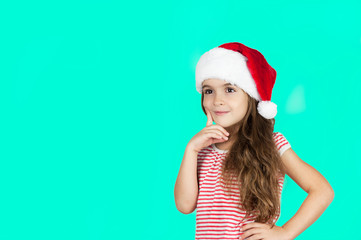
{"type": "Point", "coordinates": [244, 67]}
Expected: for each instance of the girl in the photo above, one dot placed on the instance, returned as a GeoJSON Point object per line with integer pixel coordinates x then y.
{"type": "Point", "coordinates": [233, 171]}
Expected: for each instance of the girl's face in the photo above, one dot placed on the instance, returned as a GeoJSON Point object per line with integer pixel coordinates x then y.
{"type": "Point", "coordinates": [220, 95]}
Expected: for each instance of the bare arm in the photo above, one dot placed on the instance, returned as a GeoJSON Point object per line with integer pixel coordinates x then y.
{"type": "Point", "coordinates": [186, 186]}
{"type": "Point", "coordinates": [320, 193]}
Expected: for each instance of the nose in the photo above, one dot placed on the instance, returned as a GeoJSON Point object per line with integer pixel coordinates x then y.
{"type": "Point", "coordinates": [218, 100]}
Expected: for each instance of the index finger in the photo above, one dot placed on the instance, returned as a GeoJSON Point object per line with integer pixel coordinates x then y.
{"type": "Point", "coordinates": [252, 225]}
{"type": "Point", "coordinates": [209, 118]}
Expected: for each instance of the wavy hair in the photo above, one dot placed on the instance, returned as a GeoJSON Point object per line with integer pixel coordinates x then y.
{"type": "Point", "coordinates": [254, 165]}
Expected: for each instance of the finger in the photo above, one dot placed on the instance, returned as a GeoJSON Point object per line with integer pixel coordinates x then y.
{"type": "Point", "coordinates": [217, 135]}
{"type": "Point", "coordinates": [255, 237]}
{"type": "Point", "coordinates": [218, 140]}
{"type": "Point", "coordinates": [210, 123]}
{"type": "Point", "coordinates": [216, 131]}
{"type": "Point", "coordinates": [251, 233]}
{"type": "Point", "coordinates": [252, 225]}
{"type": "Point", "coordinates": [224, 131]}
{"type": "Point", "coordinates": [209, 118]}
{"type": "Point", "coordinates": [248, 234]}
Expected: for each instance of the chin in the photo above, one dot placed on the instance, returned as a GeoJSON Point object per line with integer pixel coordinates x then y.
{"type": "Point", "coordinates": [225, 125]}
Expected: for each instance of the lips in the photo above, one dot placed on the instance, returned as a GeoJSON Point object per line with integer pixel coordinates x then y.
{"type": "Point", "coordinates": [220, 113]}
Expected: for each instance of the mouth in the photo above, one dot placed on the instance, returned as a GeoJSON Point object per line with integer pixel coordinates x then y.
{"type": "Point", "coordinates": [220, 113]}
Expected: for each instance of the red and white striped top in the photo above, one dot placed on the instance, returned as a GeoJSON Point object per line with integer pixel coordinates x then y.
{"type": "Point", "coordinates": [218, 215]}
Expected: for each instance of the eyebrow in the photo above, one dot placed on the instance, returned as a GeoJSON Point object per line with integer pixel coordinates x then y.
{"type": "Point", "coordinates": [226, 84]}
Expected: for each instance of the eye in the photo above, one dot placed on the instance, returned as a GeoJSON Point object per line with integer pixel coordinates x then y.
{"type": "Point", "coordinates": [231, 89]}
{"type": "Point", "coordinates": [205, 91]}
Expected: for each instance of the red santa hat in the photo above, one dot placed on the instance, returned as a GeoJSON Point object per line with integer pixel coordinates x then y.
{"type": "Point", "coordinates": [244, 67]}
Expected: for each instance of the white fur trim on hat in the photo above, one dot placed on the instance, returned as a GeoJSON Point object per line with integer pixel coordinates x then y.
{"type": "Point", "coordinates": [226, 65]}
{"type": "Point", "coordinates": [267, 109]}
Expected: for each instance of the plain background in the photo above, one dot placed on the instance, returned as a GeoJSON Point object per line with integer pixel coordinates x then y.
{"type": "Point", "coordinates": [98, 103]}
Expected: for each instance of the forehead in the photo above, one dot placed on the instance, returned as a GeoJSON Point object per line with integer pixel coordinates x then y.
{"type": "Point", "coordinates": [215, 82]}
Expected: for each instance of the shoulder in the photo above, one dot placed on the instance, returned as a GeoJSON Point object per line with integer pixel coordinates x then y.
{"type": "Point", "coordinates": [281, 142]}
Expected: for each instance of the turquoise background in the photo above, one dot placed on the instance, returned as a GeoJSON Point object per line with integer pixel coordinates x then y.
{"type": "Point", "coordinates": [98, 103]}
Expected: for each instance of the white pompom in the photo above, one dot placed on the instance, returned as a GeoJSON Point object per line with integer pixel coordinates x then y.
{"type": "Point", "coordinates": [267, 109]}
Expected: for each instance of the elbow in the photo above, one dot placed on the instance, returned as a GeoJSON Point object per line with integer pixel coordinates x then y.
{"type": "Point", "coordinates": [185, 208]}
{"type": "Point", "coordinates": [331, 194]}
{"type": "Point", "coordinates": [327, 193]}
{"type": "Point", "coordinates": [324, 191]}
{"type": "Point", "coordinates": [186, 204]}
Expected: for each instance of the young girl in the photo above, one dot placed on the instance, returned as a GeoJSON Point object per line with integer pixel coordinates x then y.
{"type": "Point", "coordinates": [232, 172]}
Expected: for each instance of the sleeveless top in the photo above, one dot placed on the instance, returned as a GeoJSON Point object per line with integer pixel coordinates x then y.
{"type": "Point", "coordinates": [218, 214]}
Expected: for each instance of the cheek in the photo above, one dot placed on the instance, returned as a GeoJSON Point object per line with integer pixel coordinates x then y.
{"type": "Point", "coordinates": [243, 102]}
{"type": "Point", "coordinates": [205, 103]}
{"type": "Point", "coordinates": [242, 108]}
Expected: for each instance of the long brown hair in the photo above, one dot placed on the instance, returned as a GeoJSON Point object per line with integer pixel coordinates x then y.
{"type": "Point", "coordinates": [254, 164]}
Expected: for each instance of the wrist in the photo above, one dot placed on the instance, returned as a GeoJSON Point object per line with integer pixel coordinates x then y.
{"type": "Point", "coordinates": [290, 235]}
{"type": "Point", "coordinates": [190, 148]}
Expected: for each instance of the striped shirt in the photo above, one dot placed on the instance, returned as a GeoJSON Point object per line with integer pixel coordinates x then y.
{"type": "Point", "coordinates": [218, 215]}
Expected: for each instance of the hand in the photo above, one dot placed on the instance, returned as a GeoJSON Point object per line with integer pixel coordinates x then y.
{"type": "Point", "coordinates": [255, 230]}
{"type": "Point", "coordinates": [208, 135]}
